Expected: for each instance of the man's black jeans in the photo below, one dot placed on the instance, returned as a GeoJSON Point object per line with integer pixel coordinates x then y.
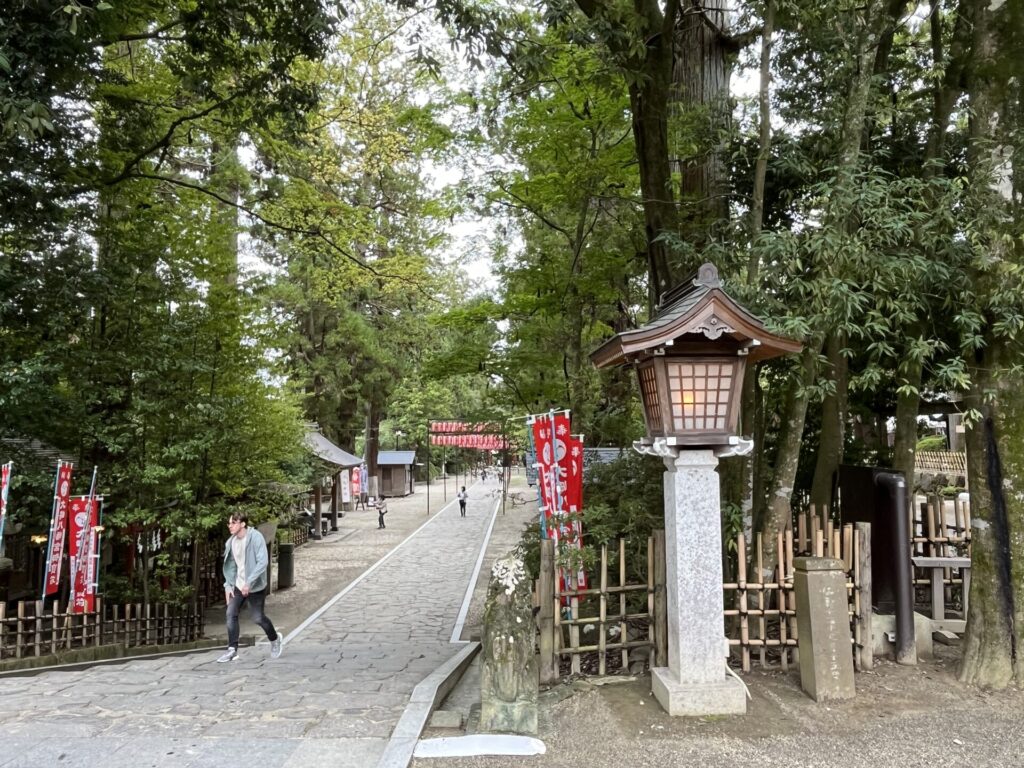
{"type": "Point", "coordinates": [256, 601]}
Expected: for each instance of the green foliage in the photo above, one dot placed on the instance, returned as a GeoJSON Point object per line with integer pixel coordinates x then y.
{"type": "Point", "coordinates": [931, 443]}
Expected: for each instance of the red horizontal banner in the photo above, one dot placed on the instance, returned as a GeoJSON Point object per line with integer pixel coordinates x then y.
{"type": "Point", "coordinates": [481, 442]}
{"type": "Point", "coordinates": [465, 427]}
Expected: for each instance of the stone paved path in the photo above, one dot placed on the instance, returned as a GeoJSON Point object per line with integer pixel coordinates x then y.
{"type": "Point", "coordinates": [332, 699]}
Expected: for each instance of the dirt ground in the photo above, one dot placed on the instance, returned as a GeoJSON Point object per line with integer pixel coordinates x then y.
{"type": "Point", "coordinates": [902, 717]}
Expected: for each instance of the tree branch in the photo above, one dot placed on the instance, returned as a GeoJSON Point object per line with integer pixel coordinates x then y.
{"type": "Point", "coordinates": [315, 233]}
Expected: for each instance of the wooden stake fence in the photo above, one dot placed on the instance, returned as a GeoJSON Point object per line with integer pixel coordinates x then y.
{"type": "Point", "coordinates": [34, 631]}
{"type": "Point", "coordinates": [560, 622]}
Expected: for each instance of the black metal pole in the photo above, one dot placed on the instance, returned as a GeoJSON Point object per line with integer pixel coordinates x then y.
{"type": "Point", "coordinates": [906, 644]}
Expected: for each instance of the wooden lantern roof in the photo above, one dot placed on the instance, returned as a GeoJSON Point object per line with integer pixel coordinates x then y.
{"type": "Point", "coordinates": [697, 317]}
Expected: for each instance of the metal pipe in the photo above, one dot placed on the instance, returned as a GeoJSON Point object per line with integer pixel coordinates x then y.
{"type": "Point", "coordinates": [906, 646]}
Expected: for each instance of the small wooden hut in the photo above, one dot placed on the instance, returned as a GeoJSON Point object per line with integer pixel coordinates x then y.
{"type": "Point", "coordinates": [395, 472]}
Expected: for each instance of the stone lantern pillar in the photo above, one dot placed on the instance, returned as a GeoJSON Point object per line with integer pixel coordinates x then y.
{"type": "Point", "coordinates": [690, 360]}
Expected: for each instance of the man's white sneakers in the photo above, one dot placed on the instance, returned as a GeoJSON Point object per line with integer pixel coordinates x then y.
{"type": "Point", "coordinates": [275, 648]}
{"type": "Point", "coordinates": [229, 655]}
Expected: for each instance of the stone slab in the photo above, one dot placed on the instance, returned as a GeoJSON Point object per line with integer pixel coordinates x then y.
{"type": "Point", "coordinates": [727, 697]}
{"type": "Point", "coordinates": [882, 623]}
{"type": "Point", "coordinates": [446, 718]}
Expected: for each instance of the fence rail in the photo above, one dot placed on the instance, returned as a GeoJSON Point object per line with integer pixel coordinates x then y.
{"type": "Point", "coordinates": [33, 629]}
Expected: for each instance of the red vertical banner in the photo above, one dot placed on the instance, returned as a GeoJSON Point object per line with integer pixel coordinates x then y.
{"type": "Point", "coordinates": [5, 482]}
{"type": "Point", "coordinates": [574, 497]}
{"type": "Point", "coordinates": [573, 468]}
{"type": "Point", "coordinates": [542, 442]}
{"type": "Point", "coordinates": [82, 552]}
{"type": "Point", "coordinates": [550, 436]}
{"type": "Point", "coordinates": [355, 484]}
{"type": "Point", "coordinates": [58, 527]}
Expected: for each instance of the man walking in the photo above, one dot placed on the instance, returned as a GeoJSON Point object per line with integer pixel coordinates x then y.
{"type": "Point", "coordinates": [462, 496]}
{"type": "Point", "coordinates": [245, 578]}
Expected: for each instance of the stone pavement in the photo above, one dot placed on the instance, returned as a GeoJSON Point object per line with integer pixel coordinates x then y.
{"type": "Point", "coordinates": [333, 698]}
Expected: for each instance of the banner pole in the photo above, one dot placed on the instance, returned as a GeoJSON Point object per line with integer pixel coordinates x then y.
{"type": "Point", "coordinates": [53, 523]}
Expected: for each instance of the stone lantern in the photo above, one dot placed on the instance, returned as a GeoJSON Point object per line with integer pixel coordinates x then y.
{"type": "Point", "coordinates": [690, 360]}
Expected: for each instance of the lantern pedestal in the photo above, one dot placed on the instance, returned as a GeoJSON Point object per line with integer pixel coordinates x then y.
{"type": "Point", "coordinates": [696, 681]}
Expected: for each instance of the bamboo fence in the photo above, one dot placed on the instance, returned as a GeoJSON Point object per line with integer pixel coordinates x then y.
{"type": "Point", "coordinates": [596, 623]}
{"type": "Point", "coordinates": [33, 629]}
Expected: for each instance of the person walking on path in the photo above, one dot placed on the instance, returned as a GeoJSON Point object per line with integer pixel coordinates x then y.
{"type": "Point", "coordinates": [382, 509]}
{"type": "Point", "coordinates": [245, 578]}
{"type": "Point", "coordinates": [462, 496]}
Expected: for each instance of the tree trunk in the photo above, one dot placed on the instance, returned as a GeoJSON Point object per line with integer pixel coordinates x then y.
{"type": "Point", "coordinates": [649, 74]}
{"type": "Point", "coordinates": [649, 101]}
{"type": "Point", "coordinates": [833, 426]}
{"type": "Point", "coordinates": [779, 513]}
{"type": "Point", "coordinates": [995, 465]}
{"type": "Point", "coordinates": [752, 419]}
{"type": "Point", "coordinates": [372, 438]}
{"type": "Point", "coordinates": [995, 444]}
{"type": "Point", "coordinates": [701, 110]}
{"type": "Point", "coordinates": [908, 405]}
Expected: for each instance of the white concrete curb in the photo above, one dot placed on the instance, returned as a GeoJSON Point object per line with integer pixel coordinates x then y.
{"type": "Point", "coordinates": [425, 697]}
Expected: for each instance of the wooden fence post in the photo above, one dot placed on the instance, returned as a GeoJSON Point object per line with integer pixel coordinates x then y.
{"type": "Point", "coordinates": [866, 650]}
{"type": "Point", "coordinates": [546, 618]}
{"type": "Point", "coordinates": [660, 617]}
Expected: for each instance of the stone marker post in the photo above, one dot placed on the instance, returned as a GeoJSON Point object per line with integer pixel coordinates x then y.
{"type": "Point", "coordinates": [695, 682]}
{"type": "Point", "coordinates": [508, 679]}
{"type": "Point", "coordinates": [823, 624]}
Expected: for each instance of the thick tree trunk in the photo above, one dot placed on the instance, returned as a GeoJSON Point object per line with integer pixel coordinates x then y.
{"type": "Point", "coordinates": [649, 103]}
{"type": "Point", "coordinates": [372, 438]}
{"type": "Point", "coordinates": [995, 457]}
{"type": "Point", "coordinates": [649, 74]}
{"type": "Point", "coordinates": [701, 110]}
{"type": "Point", "coordinates": [995, 444]}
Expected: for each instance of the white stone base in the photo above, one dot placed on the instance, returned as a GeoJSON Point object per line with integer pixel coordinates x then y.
{"type": "Point", "coordinates": [727, 697]}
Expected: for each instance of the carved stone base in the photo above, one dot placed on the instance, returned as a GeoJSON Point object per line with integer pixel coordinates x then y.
{"type": "Point", "coordinates": [727, 697]}
{"type": "Point", "coordinates": [508, 717]}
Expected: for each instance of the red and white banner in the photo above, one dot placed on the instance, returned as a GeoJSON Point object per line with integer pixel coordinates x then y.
{"type": "Point", "coordinates": [58, 527]}
{"type": "Point", "coordinates": [356, 489]}
{"type": "Point", "coordinates": [480, 442]}
{"type": "Point", "coordinates": [5, 482]}
{"type": "Point", "coordinates": [560, 479]}
{"type": "Point", "coordinates": [463, 427]}
{"type": "Point", "coordinates": [550, 436]}
{"type": "Point", "coordinates": [83, 552]}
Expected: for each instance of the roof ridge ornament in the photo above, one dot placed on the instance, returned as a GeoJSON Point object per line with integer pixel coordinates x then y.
{"type": "Point", "coordinates": [707, 276]}
{"type": "Point", "coordinates": [704, 279]}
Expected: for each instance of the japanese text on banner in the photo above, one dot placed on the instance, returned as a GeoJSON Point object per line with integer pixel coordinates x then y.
{"type": "Point", "coordinates": [83, 551]}
{"type": "Point", "coordinates": [58, 527]}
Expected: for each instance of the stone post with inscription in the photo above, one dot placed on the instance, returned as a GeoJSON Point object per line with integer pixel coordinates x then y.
{"type": "Point", "coordinates": [508, 678]}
